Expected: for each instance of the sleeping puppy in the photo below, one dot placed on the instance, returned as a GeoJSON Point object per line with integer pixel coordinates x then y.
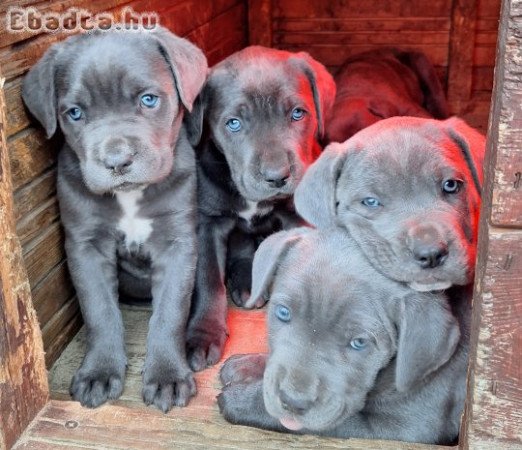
{"type": "Point", "coordinates": [127, 194]}
{"type": "Point", "coordinates": [257, 122]}
{"type": "Point", "coordinates": [352, 353]}
{"type": "Point", "coordinates": [384, 83]}
{"type": "Point", "coordinates": [408, 192]}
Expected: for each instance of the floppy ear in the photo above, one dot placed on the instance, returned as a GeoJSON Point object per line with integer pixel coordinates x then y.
{"type": "Point", "coordinates": [323, 88]}
{"type": "Point", "coordinates": [314, 197]}
{"type": "Point", "coordinates": [434, 97]}
{"type": "Point", "coordinates": [383, 108]}
{"type": "Point", "coordinates": [38, 90]}
{"type": "Point", "coordinates": [187, 62]}
{"type": "Point", "coordinates": [428, 337]}
{"type": "Point", "coordinates": [194, 120]}
{"type": "Point", "coordinates": [472, 144]}
{"type": "Point", "coordinates": [267, 259]}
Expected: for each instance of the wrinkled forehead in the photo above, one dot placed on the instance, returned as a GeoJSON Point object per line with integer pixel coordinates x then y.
{"type": "Point", "coordinates": [112, 68]}
{"type": "Point", "coordinates": [413, 154]}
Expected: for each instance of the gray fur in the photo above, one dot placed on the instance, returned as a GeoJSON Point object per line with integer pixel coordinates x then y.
{"type": "Point", "coordinates": [403, 162]}
{"type": "Point", "coordinates": [260, 87]}
{"type": "Point", "coordinates": [408, 384]}
{"type": "Point", "coordinates": [106, 74]}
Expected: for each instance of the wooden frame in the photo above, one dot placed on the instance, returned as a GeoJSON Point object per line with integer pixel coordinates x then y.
{"type": "Point", "coordinates": [493, 412]}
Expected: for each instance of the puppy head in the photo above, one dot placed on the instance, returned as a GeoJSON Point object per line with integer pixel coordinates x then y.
{"type": "Point", "coordinates": [264, 109]}
{"type": "Point", "coordinates": [408, 191]}
{"type": "Point", "coordinates": [118, 97]}
{"type": "Point", "coordinates": [335, 323]}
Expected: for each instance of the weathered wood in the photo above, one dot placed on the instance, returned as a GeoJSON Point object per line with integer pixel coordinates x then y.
{"type": "Point", "coordinates": [260, 22]}
{"type": "Point", "coordinates": [462, 43]}
{"type": "Point", "coordinates": [43, 253]}
{"type": "Point", "coordinates": [35, 193]}
{"type": "Point", "coordinates": [53, 328]}
{"type": "Point", "coordinates": [56, 347]}
{"type": "Point", "coordinates": [116, 427]}
{"type": "Point", "coordinates": [37, 220]}
{"type": "Point", "coordinates": [52, 292]}
{"type": "Point", "coordinates": [16, 117]}
{"type": "Point", "coordinates": [493, 412]}
{"type": "Point", "coordinates": [23, 379]}
{"type": "Point", "coordinates": [506, 120]}
{"type": "Point", "coordinates": [31, 154]}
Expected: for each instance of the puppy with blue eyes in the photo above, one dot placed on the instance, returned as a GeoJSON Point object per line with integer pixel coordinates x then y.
{"type": "Point", "coordinates": [256, 124]}
{"type": "Point", "coordinates": [352, 353]}
{"type": "Point", "coordinates": [127, 194]}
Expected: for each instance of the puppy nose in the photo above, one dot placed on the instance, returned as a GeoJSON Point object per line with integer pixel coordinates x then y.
{"type": "Point", "coordinates": [294, 402]}
{"type": "Point", "coordinates": [118, 162]}
{"type": "Point", "coordinates": [429, 256]}
{"type": "Point", "coordinates": [276, 177]}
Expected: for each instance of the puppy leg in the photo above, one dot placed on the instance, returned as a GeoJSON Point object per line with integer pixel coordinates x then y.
{"type": "Point", "coordinates": [207, 330]}
{"type": "Point", "coordinates": [93, 270]}
{"type": "Point", "coordinates": [241, 249]}
{"type": "Point", "coordinates": [243, 404]}
{"type": "Point", "coordinates": [167, 378]}
{"type": "Point", "coordinates": [243, 368]}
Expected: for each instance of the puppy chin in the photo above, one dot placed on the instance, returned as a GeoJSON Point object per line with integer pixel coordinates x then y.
{"type": "Point", "coordinates": [428, 287]}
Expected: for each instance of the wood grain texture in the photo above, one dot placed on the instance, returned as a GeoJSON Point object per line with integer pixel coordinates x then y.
{"type": "Point", "coordinates": [506, 120]}
{"type": "Point", "coordinates": [260, 22]}
{"type": "Point", "coordinates": [197, 426]}
{"type": "Point", "coordinates": [461, 45]}
{"type": "Point", "coordinates": [23, 379]}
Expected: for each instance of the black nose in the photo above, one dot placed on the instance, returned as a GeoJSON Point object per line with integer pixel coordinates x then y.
{"type": "Point", "coordinates": [118, 162]}
{"type": "Point", "coordinates": [429, 256]}
{"type": "Point", "coordinates": [294, 404]}
{"type": "Point", "coordinates": [278, 177]}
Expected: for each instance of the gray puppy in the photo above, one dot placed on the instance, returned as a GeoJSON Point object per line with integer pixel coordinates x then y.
{"type": "Point", "coordinates": [126, 187]}
{"type": "Point", "coordinates": [384, 83]}
{"type": "Point", "coordinates": [257, 121]}
{"type": "Point", "coordinates": [352, 353]}
{"type": "Point", "coordinates": [408, 191]}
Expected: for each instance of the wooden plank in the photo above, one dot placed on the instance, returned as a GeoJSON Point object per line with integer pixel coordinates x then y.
{"type": "Point", "coordinates": [462, 43]}
{"type": "Point", "coordinates": [384, 38]}
{"type": "Point", "coordinates": [55, 348]}
{"type": "Point", "coordinates": [493, 411]}
{"type": "Point", "coordinates": [53, 328]}
{"type": "Point", "coordinates": [37, 220]}
{"type": "Point", "coordinates": [35, 193]}
{"type": "Point", "coordinates": [506, 120]}
{"type": "Point", "coordinates": [31, 154]}
{"type": "Point", "coordinates": [52, 292]}
{"type": "Point", "coordinates": [483, 78]}
{"type": "Point", "coordinates": [23, 379]}
{"type": "Point", "coordinates": [17, 119]}
{"type": "Point", "coordinates": [43, 253]}
{"type": "Point", "coordinates": [116, 427]}
{"type": "Point", "coordinates": [361, 24]}
{"type": "Point", "coordinates": [260, 22]}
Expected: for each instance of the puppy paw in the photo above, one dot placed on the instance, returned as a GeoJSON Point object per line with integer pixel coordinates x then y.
{"type": "Point", "coordinates": [243, 369]}
{"type": "Point", "coordinates": [164, 389]}
{"type": "Point", "coordinates": [97, 380]}
{"type": "Point", "coordinates": [205, 348]}
{"type": "Point", "coordinates": [239, 281]}
{"type": "Point", "coordinates": [229, 403]}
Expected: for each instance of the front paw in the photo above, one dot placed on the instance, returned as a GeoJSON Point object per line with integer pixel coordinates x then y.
{"type": "Point", "coordinates": [243, 368]}
{"type": "Point", "coordinates": [164, 388]}
{"type": "Point", "coordinates": [100, 378]}
{"type": "Point", "coordinates": [205, 347]}
{"type": "Point", "coordinates": [239, 281]}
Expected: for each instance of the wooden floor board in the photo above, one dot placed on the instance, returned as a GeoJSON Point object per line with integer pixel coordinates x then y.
{"type": "Point", "coordinates": [128, 424]}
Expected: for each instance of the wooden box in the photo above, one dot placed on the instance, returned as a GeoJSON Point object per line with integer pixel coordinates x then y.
{"type": "Point", "coordinates": [476, 46]}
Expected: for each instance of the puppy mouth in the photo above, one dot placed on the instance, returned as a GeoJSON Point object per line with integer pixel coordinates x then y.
{"type": "Point", "coordinates": [429, 287]}
{"type": "Point", "coordinates": [291, 423]}
{"type": "Point", "coordinates": [128, 186]}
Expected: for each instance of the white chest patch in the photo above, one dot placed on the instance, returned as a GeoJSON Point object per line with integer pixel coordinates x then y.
{"type": "Point", "coordinates": [136, 229]}
{"type": "Point", "coordinates": [253, 209]}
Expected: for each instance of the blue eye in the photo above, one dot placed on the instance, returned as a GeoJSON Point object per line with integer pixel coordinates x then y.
{"type": "Point", "coordinates": [371, 202]}
{"type": "Point", "coordinates": [451, 186]}
{"type": "Point", "coordinates": [75, 113]}
{"type": "Point", "coordinates": [283, 313]}
{"type": "Point", "coordinates": [298, 114]}
{"type": "Point", "coordinates": [233, 125]}
{"type": "Point", "coordinates": [149, 100]}
{"type": "Point", "coordinates": [358, 344]}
